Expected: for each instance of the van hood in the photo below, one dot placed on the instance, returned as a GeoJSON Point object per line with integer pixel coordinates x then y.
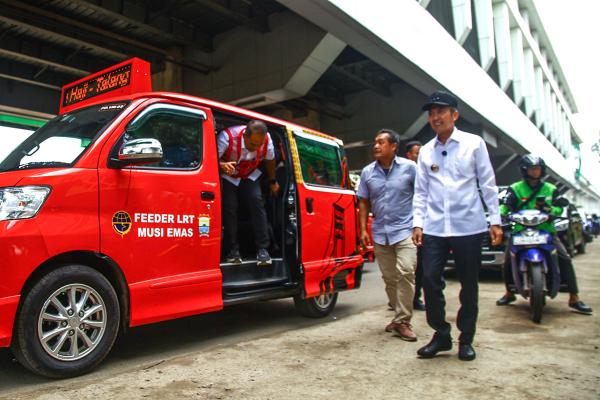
{"type": "Point", "coordinates": [13, 178]}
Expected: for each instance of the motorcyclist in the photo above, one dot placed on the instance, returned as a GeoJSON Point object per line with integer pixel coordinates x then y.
{"type": "Point", "coordinates": [525, 195]}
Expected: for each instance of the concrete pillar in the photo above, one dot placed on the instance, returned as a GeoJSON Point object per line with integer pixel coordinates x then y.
{"type": "Point", "coordinates": [171, 78]}
{"type": "Point", "coordinates": [463, 20]}
{"type": "Point", "coordinates": [540, 106]}
{"type": "Point", "coordinates": [502, 40]}
{"type": "Point", "coordinates": [516, 41]}
{"type": "Point", "coordinates": [548, 121]}
{"type": "Point", "coordinates": [484, 15]}
{"type": "Point", "coordinates": [555, 119]}
{"type": "Point", "coordinates": [529, 83]}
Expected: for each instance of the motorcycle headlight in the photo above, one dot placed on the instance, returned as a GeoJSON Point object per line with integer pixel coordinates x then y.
{"type": "Point", "coordinates": [530, 220]}
{"type": "Point", "coordinates": [21, 202]}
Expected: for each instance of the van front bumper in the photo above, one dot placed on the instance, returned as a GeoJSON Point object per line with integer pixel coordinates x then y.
{"type": "Point", "coordinates": [8, 310]}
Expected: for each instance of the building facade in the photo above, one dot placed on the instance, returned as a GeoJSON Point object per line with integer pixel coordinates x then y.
{"type": "Point", "coordinates": [348, 67]}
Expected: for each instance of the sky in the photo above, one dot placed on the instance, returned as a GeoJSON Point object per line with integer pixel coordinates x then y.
{"type": "Point", "coordinates": [573, 29]}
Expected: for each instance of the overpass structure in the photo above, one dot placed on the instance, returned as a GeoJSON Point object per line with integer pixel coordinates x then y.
{"type": "Point", "coordinates": [348, 67]}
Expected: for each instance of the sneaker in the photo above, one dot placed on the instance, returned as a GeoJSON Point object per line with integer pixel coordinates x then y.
{"type": "Point", "coordinates": [263, 257]}
{"type": "Point", "coordinates": [234, 257]}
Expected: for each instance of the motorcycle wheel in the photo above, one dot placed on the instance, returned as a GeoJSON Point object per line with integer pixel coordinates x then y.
{"type": "Point", "coordinates": [536, 297]}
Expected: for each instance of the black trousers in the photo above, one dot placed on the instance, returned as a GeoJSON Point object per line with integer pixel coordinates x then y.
{"type": "Point", "coordinates": [248, 191]}
{"type": "Point", "coordinates": [419, 274]}
{"type": "Point", "coordinates": [467, 257]}
{"type": "Point", "coordinates": [565, 265]}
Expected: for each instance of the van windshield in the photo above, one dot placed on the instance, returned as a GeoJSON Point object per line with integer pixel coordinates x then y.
{"type": "Point", "coordinates": [61, 141]}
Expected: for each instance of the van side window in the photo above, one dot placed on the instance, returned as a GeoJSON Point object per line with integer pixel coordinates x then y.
{"type": "Point", "coordinates": [320, 162]}
{"type": "Point", "coordinates": [180, 136]}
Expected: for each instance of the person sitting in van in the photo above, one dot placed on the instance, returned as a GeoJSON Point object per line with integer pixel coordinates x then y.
{"type": "Point", "coordinates": [241, 149]}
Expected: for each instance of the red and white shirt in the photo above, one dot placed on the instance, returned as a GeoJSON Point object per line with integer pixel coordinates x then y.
{"type": "Point", "coordinates": [237, 151]}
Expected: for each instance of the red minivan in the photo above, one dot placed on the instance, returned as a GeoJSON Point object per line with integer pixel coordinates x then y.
{"type": "Point", "coordinates": [110, 217]}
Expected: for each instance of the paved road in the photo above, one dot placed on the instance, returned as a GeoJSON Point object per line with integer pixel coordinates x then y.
{"type": "Point", "coordinates": [152, 344]}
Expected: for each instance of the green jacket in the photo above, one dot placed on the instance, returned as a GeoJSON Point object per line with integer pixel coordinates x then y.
{"type": "Point", "coordinates": [520, 191]}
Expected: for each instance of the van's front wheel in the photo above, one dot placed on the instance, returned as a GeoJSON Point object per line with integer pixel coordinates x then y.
{"type": "Point", "coordinates": [67, 323]}
{"type": "Point", "coordinates": [316, 307]}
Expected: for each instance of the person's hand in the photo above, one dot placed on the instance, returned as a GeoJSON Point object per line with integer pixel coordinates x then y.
{"type": "Point", "coordinates": [365, 240]}
{"type": "Point", "coordinates": [496, 234]}
{"type": "Point", "coordinates": [228, 167]}
{"type": "Point", "coordinates": [417, 236]}
{"type": "Point", "coordinates": [274, 188]}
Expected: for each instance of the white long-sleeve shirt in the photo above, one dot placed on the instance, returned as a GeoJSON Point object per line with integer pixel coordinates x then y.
{"type": "Point", "coordinates": [446, 200]}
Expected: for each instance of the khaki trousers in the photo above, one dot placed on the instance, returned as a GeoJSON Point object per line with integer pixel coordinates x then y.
{"type": "Point", "coordinates": [397, 263]}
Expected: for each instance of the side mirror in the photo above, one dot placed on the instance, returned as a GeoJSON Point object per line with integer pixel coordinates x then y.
{"type": "Point", "coordinates": [561, 202]}
{"type": "Point", "coordinates": [140, 151]}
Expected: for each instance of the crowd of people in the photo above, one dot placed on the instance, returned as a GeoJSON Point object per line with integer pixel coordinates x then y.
{"type": "Point", "coordinates": [432, 203]}
{"type": "Point", "coordinates": [424, 205]}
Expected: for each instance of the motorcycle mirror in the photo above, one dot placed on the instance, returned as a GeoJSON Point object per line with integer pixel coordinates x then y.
{"type": "Point", "coordinates": [561, 202]}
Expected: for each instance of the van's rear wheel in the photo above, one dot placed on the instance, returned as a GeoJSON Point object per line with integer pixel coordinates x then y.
{"type": "Point", "coordinates": [67, 323]}
{"type": "Point", "coordinates": [316, 307]}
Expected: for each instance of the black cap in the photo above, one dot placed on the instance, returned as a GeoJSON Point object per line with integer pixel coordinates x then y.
{"type": "Point", "coordinates": [440, 98]}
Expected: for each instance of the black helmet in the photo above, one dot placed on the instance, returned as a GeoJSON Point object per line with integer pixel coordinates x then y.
{"type": "Point", "coordinates": [528, 161]}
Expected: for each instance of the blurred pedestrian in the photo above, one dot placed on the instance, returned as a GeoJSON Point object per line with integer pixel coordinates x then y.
{"type": "Point", "coordinates": [449, 215]}
{"type": "Point", "coordinates": [386, 188]}
{"type": "Point", "coordinates": [412, 153]}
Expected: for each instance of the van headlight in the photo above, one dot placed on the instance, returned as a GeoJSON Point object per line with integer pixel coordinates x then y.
{"type": "Point", "coordinates": [22, 202]}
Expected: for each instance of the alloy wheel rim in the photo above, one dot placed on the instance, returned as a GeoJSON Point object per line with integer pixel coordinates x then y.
{"type": "Point", "coordinates": [324, 300]}
{"type": "Point", "coordinates": [72, 322]}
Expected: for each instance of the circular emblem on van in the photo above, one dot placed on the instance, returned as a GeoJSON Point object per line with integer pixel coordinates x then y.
{"type": "Point", "coordinates": [121, 223]}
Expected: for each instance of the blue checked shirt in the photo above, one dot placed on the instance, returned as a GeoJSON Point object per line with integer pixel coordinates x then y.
{"type": "Point", "coordinates": [391, 199]}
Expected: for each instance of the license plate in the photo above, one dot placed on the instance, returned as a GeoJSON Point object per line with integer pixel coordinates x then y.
{"type": "Point", "coordinates": [525, 240]}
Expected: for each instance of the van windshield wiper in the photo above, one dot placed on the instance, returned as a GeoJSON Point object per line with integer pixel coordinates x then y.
{"type": "Point", "coordinates": [43, 164]}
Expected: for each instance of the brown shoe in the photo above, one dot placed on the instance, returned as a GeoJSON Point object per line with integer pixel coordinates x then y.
{"type": "Point", "coordinates": [403, 329]}
{"type": "Point", "coordinates": [390, 327]}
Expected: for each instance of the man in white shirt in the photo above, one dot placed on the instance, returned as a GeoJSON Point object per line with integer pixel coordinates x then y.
{"type": "Point", "coordinates": [448, 215]}
{"type": "Point", "coordinates": [241, 150]}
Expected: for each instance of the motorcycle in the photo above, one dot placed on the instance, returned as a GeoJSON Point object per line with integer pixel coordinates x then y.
{"type": "Point", "coordinates": [561, 225]}
{"type": "Point", "coordinates": [595, 225]}
{"type": "Point", "coordinates": [534, 261]}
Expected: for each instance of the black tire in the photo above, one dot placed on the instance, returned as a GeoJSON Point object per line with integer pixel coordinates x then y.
{"type": "Point", "coordinates": [536, 296]}
{"type": "Point", "coordinates": [581, 248]}
{"type": "Point", "coordinates": [100, 316]}
{"type": "Point", "coordinates": [316, 307]}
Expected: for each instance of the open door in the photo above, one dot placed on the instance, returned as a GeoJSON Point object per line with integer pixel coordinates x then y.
{"type": "Point", "coordinates": [328, 218]}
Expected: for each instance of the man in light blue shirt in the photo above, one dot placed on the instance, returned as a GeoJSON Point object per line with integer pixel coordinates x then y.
{"type": "Point", "coordinates": [386, 189]}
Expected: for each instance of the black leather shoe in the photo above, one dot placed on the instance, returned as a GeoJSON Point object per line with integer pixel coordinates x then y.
{"type": "Point", "coordinates": [437, 344]}
{"type": "Point", "coordinates": [418, 305]}
{"type": "Point", "coordinates": [466, 352]}
{"type": "Point", "coordinates": [506, 300]}
{"type": "Point", "coordinates": [581, 307]}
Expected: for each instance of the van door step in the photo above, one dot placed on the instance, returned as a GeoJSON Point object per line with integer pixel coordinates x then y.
{"type": "Point", "coordinates": [253, 283]}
